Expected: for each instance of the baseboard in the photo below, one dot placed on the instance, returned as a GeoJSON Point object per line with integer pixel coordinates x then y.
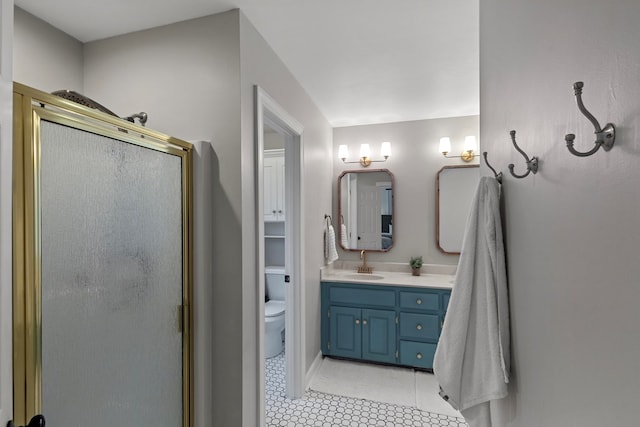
{"type": "Point", "coordinates": [315, 365]}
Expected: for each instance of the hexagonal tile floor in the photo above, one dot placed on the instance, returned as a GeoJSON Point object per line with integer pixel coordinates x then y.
{"type": "Point", "coordinates": [326, 410]}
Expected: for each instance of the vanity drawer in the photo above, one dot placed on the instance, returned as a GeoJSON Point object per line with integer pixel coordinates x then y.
{"type": "Point", "coordinates": [426, 301]}
{"type": "Point", "coordinates": [419, 354]}
{"type": "Point", "coordinates": [445, 301]}
{"type": "Point", "coordinates": [420, 326]}
{"type": "Point", "coordinates": [359, 296]}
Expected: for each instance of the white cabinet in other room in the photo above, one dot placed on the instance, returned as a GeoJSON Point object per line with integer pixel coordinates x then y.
{"type": "Point", "coordinates": [274, 185]}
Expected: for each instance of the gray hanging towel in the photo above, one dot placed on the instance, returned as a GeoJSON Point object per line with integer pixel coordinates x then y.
{"type": "Point", "coordinates": [471, 362]}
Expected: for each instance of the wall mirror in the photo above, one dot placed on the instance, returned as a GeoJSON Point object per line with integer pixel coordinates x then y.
{"type": "Point", "coordinates": [455, 188]}
{"type": "Point", "coordinates": [366, 210]}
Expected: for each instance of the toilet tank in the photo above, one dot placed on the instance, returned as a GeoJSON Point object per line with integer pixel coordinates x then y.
{"type": "Point", "coordinates": [274, 282]}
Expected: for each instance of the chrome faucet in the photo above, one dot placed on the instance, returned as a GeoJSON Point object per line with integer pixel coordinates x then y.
{"type": "Point", "coordinates": [364, 268]}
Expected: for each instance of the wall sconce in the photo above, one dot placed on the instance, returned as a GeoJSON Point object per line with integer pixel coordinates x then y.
{"type": "Point", "coordinates": [469, 147]}
{"type": "Point", "coordinates": [365, 154]}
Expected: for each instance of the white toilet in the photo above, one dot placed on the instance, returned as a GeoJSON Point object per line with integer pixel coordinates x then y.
{"type": "Point", "coordinates": [274, 311]}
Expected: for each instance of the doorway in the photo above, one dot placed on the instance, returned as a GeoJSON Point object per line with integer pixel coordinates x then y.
{"type": "Point", "coordinates": [268, 113]}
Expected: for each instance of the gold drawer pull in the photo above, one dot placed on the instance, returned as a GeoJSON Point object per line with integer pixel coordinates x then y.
{"type": "Point", "coordinates": [419, 327]}
{"type": "Point", "coordinates": [357, 321]}
{"type": "Point", "coordinates": [419, 356]}
{"type": "Point", "coordinates": [419, 301]}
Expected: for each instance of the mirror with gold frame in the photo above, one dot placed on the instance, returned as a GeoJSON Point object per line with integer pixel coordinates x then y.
{"type": "Point", "coordinates": [455, 188]}
{"type": "Point", "coordinates": [366, 209]}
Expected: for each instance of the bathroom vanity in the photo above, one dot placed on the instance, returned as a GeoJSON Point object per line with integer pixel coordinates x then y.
{"type": "Point", "coordinates": [389, 317]}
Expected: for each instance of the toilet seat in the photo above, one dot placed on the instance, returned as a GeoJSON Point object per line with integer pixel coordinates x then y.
{"type": "Point", "coordinates": [273, 308]}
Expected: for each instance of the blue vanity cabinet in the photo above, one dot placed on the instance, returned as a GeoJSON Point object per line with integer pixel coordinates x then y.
{"type": "Point", "coordinates": [421, 314]}
{"type": "Point", "coordinates": [359, 323]}
{"type": "Point", "coordinates": [362, 334]}
{"type": "Point", "coordinates": [345, 331]}
{"type": "Point", "coordinates": [379, 335]}
{"type": "Point", "coordinates": [389, 324]}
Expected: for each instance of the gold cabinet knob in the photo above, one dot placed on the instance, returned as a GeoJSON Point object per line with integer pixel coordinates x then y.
{"type": "Point", "coordinates": [357, 321]}
{"type": "Point", "coordinates": [419, 327]}
{"type": "Point", "coordinates": [419, 301]}
{"type": "Point", "coordinates": [419, 356]}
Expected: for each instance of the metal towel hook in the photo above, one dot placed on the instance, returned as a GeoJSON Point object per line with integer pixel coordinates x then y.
{"type": "Point", "coordinates": [604, 137]}
{"type": "Point", "coordinates": [496, 174]}
{"type": "Point", "coordinates": [532, 164]}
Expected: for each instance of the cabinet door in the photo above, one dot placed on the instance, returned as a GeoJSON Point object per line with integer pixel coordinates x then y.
{"type": "Point", "coordinates": [379, 335]}
{"type": "Point", "coordinates": [271, 170]}
{"type": "Point", "coordinates": [280, 189]}
{"type": "Point", "coordinates": [345, 332]}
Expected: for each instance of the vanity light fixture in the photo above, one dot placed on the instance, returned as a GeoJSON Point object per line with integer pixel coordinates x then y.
{"type": "Point", "coordinates": [467, 155]}
{"type": "Point", "coordinates": [365, 154]}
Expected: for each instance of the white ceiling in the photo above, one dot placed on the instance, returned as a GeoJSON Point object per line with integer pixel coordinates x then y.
{"type": "Point", "coordinates": [361, 61]}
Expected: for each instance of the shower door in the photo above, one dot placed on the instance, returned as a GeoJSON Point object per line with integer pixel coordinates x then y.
{"type": "Point", "coordinates": [102, 275]}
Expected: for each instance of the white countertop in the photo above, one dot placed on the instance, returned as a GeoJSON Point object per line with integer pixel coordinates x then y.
{"type": "Point", "coordinates": [425, 280]}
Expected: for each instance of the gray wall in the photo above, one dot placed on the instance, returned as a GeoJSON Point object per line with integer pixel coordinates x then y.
{"type": "Point", "coordinates": [273, 140]}
{"type": "Point", "coordinates": [571, 230]}
{"type": "Point", "coordinates": [44, 57]}
{"type": "Point", "coordinates": [260, 65]}
{"type": "Point", "coordinates": [414, 162]}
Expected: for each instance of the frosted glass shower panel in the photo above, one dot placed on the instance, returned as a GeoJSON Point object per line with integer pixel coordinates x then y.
{"type": "Point", "coordinates": [111, 230]}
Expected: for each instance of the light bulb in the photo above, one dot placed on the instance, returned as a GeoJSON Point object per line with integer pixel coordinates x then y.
{"type": "Point", "coordinates": [470, 143]}
{"type": "Point", "coordinates": [385, 149]}
{"type": "Point", "coordinates": [343, 152]}
{"type": "Point", "coordinates": [365, 151]}
{"type": "Point", "coordinates": [445, 145]}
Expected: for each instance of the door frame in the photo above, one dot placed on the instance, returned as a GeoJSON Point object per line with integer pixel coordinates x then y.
{"type": "Point", "coordinates": [267, 110]}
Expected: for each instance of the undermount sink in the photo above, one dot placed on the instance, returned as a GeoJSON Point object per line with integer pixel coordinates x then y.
{"type": "Point", "coordinates": [363, 276]}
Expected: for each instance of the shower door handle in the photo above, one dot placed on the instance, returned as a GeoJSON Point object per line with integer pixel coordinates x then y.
{"type": "Point", "coordinates": [36, 421]}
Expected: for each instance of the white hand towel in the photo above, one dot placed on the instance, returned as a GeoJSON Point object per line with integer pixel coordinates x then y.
{"type": "Point", "coordinates": [471, 362]}
{"type": "Point", "coordinates": [343, 236]}
{"type": "Point", "coordinates": [330, 252]}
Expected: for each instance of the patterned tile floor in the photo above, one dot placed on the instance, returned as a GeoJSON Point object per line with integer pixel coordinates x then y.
{"type": "Point", "coordinates": [326, 410]}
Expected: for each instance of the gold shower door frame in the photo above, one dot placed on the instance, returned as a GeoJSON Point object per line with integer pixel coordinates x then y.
{"type": "Point", "coordinates": [30, 106]}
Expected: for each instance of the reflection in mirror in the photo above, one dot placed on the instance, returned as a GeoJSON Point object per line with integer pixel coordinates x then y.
{"type": "Point", "coordinates": [366, 210]}
{"type": "Point", "coordinates": [455, 188]}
